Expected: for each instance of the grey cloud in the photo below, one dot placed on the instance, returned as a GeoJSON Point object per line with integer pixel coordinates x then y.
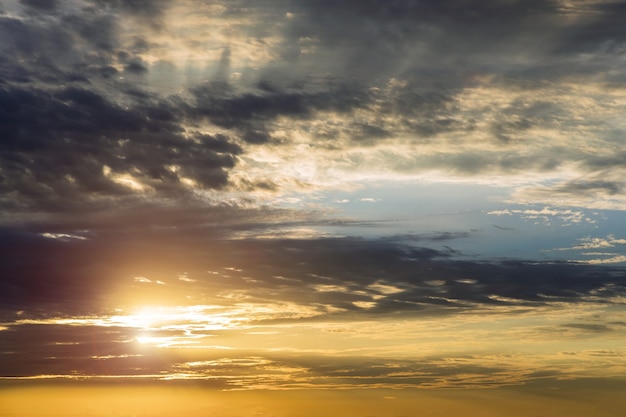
{"type": "Point", "coordinates": [607, 161]}
{"type": "Point", "coordinates": [430, 41]}
{"type": "Point", "coordinates": [434, 237]}
{"type": "Point", "coordinates": [430, 46]}
{"type": "Point", "coordinates": [591, 186]}
{"type": "Point", "coordinates": [61, 50]}
{"type": "Point", "coordinates": [250, 112]}
{"type": "Point", "coordinates": [433, 47]}
{"type": "Point", "coordinates": [44, 5]}
{"type": "Point", "coordinates": [437, 45]}
{"type": "Point", "coordinates": [600, 32]}
{"type": "Point", "coordinates": [476, 163]}
{"type": "Point", "coordinates": [427, 277]}
{"type": "Point", "coordinates": [592, 328]}
{"type": "Point", "coordinates": [230, 110]}
{"type": "Point", "coordinates": [56, 145]}
{"type": "Point", "coordinates": [149, 12]}
{"type": "Point", "coordinates": [372, 31]}
{"type": "Point", "coordinates": [520, 116]}
{"type": "Point", "coordinates": [78, 42]}
{"type": "Point", "coordinates": [97, 30]}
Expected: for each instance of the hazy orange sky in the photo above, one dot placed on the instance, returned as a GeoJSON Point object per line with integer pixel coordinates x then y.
{"type": "Point", "coordinates": [571, 399]}
{"type": "Point", "coordinates": [312, 207]}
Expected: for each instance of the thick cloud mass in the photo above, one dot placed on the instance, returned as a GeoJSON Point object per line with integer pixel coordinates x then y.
{"type": "Point", "coordinates": [58, 146]}
{"type": "Point", "coordinates": [74, 133]}
{"type": "Point", "coordinates": [460, 87]}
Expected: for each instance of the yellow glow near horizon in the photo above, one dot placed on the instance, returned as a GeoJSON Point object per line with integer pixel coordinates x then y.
{"type": "Point", "coordinates": [152, 400]}
{"type": "Point", "coordinates": [226, 342]}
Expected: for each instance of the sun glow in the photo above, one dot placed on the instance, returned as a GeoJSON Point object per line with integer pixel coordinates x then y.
{"type": "Point", "coordinates": [177, 326]}
{"type": "Point", "coordinates": [172, 317]}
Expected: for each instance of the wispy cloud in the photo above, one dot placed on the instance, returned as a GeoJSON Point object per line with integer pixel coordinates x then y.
{"type": "Point", "coordinates": [608, 250]}
{"type": "Point", "coordinates": [566, 217]}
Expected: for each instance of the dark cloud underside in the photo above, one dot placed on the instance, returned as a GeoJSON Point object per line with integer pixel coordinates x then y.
{"type": "Point", "coordinates": [57, 276]}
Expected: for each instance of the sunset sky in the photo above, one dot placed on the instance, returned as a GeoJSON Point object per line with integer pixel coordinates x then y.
{"type": "Point", "coordinates": [309, 208]}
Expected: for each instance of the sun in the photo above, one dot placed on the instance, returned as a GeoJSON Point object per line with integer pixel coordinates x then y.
{"type": "Point", "coordinates": [145, 318]}
{"type": "Point", "coordinates": [176, 326]}
{"type": "Point", "coordinates": [150, 317]}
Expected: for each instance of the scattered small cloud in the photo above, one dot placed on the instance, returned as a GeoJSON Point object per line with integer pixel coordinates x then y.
{"type": "Point", "coordinates": [548, 215]}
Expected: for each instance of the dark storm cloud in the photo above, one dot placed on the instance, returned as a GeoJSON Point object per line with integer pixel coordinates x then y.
{"type": "Point", "coordinates": [60, 146]}
{"type": "Point", "coordinates": [70, 127]}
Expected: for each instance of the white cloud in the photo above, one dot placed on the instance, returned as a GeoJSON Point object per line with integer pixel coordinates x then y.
{"type": "Point", "coordinates": [600, 261]}
{"type": "Point", "coordinates": [62, 236]}
{"type": "Point", "coordinates": [599, 243]}
{"type": "Point", "coordinates": [547, 215]}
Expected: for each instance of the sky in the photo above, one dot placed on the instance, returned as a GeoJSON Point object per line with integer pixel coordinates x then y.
{"type": "Point", "coordinates": [298, 208]}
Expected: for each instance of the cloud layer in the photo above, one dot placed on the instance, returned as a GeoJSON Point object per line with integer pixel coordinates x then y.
{"type": "Point", "coordinates": [105, 99]}
{"type": "Point", "coordinates": [198, 156]}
